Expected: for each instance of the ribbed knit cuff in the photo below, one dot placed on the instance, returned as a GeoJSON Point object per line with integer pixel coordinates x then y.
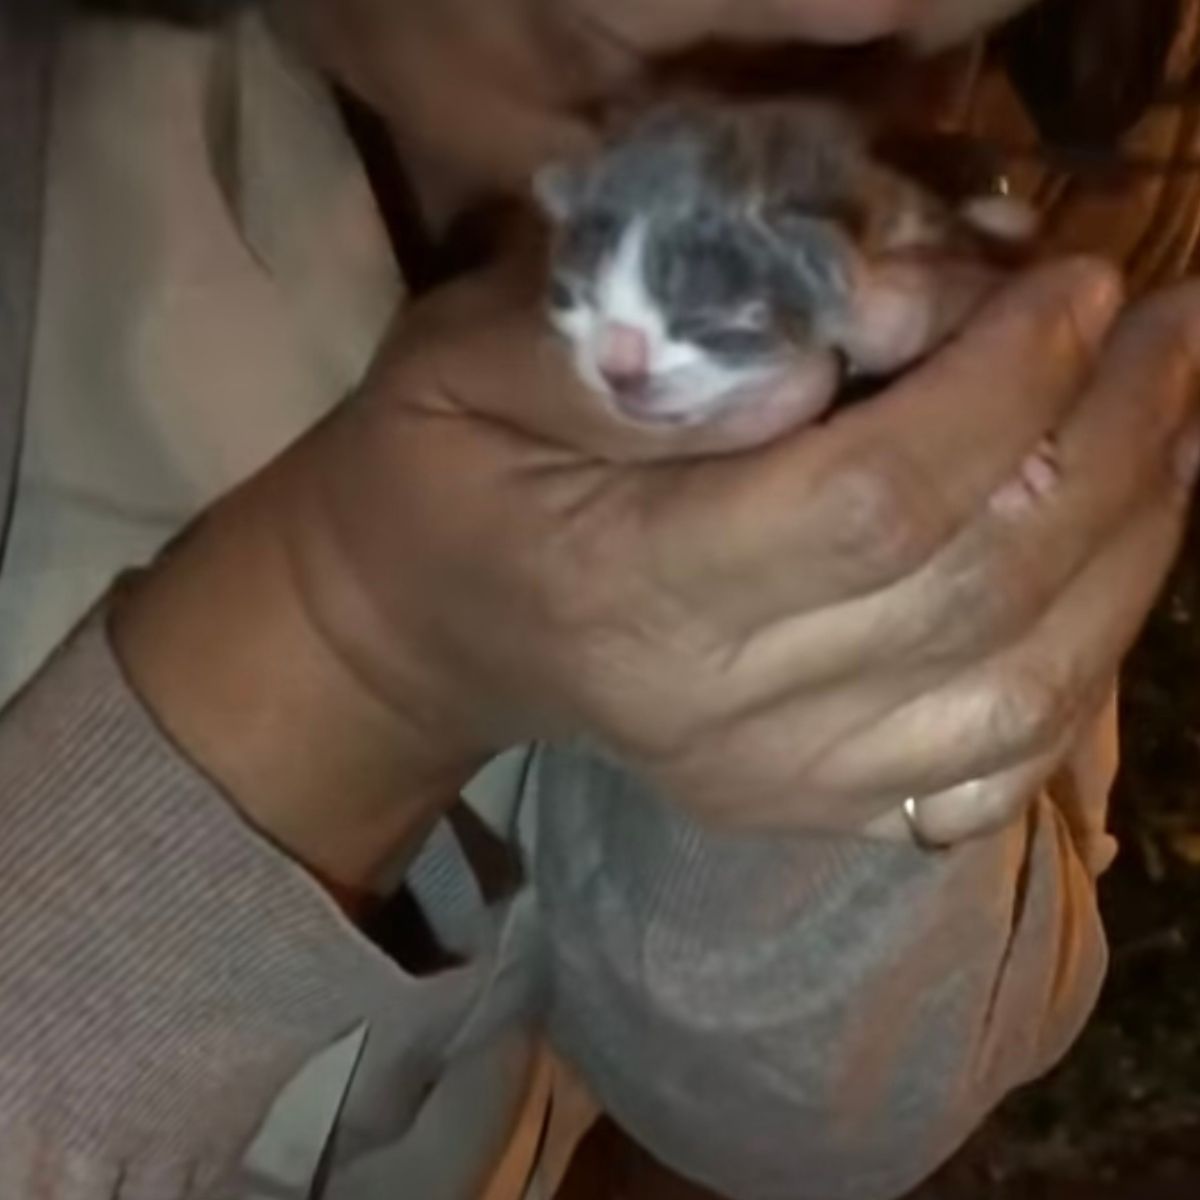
{"type": "Point", "coordinates": [163, 969]}
{"type": "Point", "coordinates": [794, 1016]}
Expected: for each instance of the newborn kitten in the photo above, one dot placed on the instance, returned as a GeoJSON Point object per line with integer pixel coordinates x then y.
{"type": "Point", "coordinates": [706, 246]}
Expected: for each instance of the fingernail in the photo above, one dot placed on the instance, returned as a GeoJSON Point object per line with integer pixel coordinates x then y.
{"type": "Point", "coordinates": [1187, 456]}
{"type": "Point", "coordinates": [1097, 294]}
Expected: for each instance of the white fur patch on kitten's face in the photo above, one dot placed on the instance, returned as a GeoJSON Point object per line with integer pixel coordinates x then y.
{"type": "Point", "coordinates": [623, 348]}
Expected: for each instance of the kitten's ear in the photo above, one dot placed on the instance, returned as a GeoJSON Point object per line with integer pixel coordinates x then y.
{"type": "Point", "coordinates": [556, 188]}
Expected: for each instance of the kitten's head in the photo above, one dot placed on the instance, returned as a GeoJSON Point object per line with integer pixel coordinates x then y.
{"type": "Point", "coordinates": [697, 254]}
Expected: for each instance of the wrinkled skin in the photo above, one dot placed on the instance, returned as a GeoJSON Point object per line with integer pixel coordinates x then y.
{"type": "Point", "coordinates": [795, 638]}
{"type": "Point", "coordinates": [800, 638]}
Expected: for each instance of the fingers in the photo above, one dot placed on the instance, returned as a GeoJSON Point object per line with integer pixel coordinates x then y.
{"type": "Point", "coordinates": [971, 810]}
{"type": "Point", "coordinates": [1015, 707]}
{"type": "Point", "coordinates": [993, 582]}
{"type": "Point", "coordinates": [857, 504]}
{"type": "Point", "coordinates": [983, 807]}
{"type": "Point", "coordinates": [1120, 445]}
{"type": "Point", "coordinates": [1123, 439]}
{"type": "Point", "coordinates": [906, 307]}
{"type": "Point", "coordinates": [978, 663]}
{"type": "Point", "coordinates": [967, 419]}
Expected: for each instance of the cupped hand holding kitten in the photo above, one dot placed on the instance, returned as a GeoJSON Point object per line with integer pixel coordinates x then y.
{"type": "Point", "coordinates": [799, 637]}
{"type": "Point", "coordinates": [473, 553]}
{"type": "Point", "coordinates": [729, 268]}
{"type": "Point", "coordinates": [803, 637]}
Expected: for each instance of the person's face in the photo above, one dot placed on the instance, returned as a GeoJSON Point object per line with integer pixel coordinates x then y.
{"type": "Point", "coordinates": [940, 22]}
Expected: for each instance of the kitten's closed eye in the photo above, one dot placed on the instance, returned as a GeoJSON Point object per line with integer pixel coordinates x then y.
{"type": "Point", "coordinates": [725, 341]}
{"type": "Point", "coordinates": [564, 295]}
{"type": "Point", "coordinates": [590, 238]}
{"type": "Point", "coordinates": [742, 333]}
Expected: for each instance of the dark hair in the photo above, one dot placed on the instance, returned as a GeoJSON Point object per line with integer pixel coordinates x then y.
{"type": "Point", "coordinates": [190, 13]}
{"type": "Point", "coordinates": [1088, 70]}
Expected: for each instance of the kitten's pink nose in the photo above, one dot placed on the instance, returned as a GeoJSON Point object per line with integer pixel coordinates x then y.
{"type": "Point", "coordinates": [623, 355]}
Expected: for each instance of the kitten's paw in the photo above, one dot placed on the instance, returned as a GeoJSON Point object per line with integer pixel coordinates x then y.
{"type": "Point", "coordinates": [1002, 218]}
{"type": "Point", "coordinates": [902, 310]}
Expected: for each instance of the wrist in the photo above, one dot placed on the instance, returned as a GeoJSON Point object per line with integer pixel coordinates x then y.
{"type": "Point", "coordinates": [219, 642]}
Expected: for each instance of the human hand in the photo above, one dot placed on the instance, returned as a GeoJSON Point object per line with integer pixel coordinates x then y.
{"type": "Point", "coordinates": [801, 637]}
{"type": "Point", "coordinates": [472, 553]}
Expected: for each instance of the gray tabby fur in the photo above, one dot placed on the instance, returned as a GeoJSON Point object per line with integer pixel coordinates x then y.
{"type": "Point", "coordinates": [768, 208]}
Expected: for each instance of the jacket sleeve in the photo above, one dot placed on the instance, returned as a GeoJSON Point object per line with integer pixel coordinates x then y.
{"type": "Point", "coordinates": [163, 969]}
{"type": "Point", "coordinates": [803, 1018]}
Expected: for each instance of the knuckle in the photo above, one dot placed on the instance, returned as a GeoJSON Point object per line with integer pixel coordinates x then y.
{"type": "Point", "coordinates": [985, 598]}
{"type": "Point", "coordinates": [1031, 707]}
{"type": "Point", "coordinates": [886, 518]}
{"type": "Point", "coordinates": [1012, 588]}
